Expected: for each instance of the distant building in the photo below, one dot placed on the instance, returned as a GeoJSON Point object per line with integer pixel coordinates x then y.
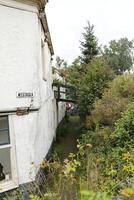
{"type": "Point", "coordinates": [28, 109]}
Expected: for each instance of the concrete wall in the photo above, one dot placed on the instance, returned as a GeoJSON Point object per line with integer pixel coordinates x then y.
{"type": "Point", "coordinates": [21, 71]}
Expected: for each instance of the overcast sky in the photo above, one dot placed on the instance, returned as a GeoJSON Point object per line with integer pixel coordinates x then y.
{"type": "Point", "coordinates": [112, 19]}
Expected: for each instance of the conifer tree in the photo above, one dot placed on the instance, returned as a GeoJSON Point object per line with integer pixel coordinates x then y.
{"type": "Point", "coordinates": [89, 45]}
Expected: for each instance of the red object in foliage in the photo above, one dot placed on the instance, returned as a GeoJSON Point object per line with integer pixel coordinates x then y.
{"type": "Point", "coordinates": [68, 106]}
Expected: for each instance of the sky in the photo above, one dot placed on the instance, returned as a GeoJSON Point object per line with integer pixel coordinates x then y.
{"type": "Point", "coordinates": [112, 19]}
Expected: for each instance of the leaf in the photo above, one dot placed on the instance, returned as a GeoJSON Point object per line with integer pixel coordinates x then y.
{"type": "Point", "coordinates": [128, 192]}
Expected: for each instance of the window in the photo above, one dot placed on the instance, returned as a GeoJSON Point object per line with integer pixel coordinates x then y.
{"type": "Point", "coordinates": [8, 172]}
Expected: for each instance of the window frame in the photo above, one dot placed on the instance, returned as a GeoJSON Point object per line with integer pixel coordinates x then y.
{"type": "Point", "coordinates": [13, 183]}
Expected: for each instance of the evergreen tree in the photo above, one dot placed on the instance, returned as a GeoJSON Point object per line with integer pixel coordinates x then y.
{"type": "Point", "coordinates": [89, 45]}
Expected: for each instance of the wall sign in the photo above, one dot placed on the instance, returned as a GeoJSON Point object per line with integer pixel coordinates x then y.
{"type": "Point", "coordinates": [24, 95]}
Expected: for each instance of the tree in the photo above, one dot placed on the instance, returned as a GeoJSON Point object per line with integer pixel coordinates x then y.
{"type": "Point", "coordinates": [119, 55]}
{"type": "Point", "coordinates": [92, 84]}
{"type": "Point", "coordinates": [89, 45]}
{"type": "Point", "coordinates": [90, 81]}
{"type": "Point", "coordinates": [74, 72]}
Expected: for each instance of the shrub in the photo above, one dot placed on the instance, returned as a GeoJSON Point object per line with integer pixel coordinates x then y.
{"type": "Point", "coordinates": [114, 101]}
{"type": "Point", "coordinates": [121, 154]}
{"type": "Point", "coordinates": [113, 155]}
{"type": "Point", "coordinates": [92, 84]}
{"type": "Point", "coordinates": [123, 136]}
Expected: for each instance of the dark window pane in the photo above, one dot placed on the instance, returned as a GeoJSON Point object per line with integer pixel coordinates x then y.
{"type": "Point", "coordinates": [4, 137]}
{"type": "Point", "coordinates": [5, 165]}
{"type": "Point", "coordinates": [4, 132]}
{"type": "Point", "coordinates": [3, 122]}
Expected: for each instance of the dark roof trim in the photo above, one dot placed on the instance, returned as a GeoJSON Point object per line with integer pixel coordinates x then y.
{"type": "Point", "coordinates": [44, 22]}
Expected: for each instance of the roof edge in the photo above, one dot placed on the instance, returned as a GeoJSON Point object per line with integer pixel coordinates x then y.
{"type": "Point", "coordinates": [44, 22]}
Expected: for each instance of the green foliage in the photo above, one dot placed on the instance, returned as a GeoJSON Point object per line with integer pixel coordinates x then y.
{"type": "Point", "coordinates": [119, 55]}
{"type": "Point", "coordinates": [68, 180]}
{"type": "Point", "coordinates": [62, 129]}
{"type": "Point", "coordinates": [89, 45]}
{"type": "Point", "coordinates": [34, 197]}
{"type": "Point", "coordinates": [89, 81]}
{"type": "Point", "coordinates": [124, 132]}
{"type": "Point", "coordinates": [92, 84]}
{"type": "Point", "coordinates": [113, 155]}
{"type": "Point", "coordinates": [90, 195]}
{"type": "Point", "coordinates": [114, 101]}
{"type": "Point", "coordinates": [74, 72]}
{"type": "Point", "coordinates": [121, 145]}
{"type": "Point", "coordinates": [113, 143]}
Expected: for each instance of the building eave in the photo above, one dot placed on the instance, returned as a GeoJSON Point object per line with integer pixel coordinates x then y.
{"type": "Point", "coordinates": [44, 22]}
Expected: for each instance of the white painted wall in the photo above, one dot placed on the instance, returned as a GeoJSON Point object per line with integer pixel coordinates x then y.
{"type": "Point", "coordinates": [61, 111]}
{"type": "Point", "coordinates": [61, 105]}
{"type": "Point", "coordinates": [21, 71]}
{"type": "Point", "coordinates": [19, 57]}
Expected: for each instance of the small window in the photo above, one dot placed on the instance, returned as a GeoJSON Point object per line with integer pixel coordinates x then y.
{"type": "Point", "coordinates": [8, 172]}
{"type": "Point", "coordinates": [5, 163]}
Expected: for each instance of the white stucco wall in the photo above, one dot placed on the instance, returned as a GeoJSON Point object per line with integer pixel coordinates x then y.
{"type": "Point", "coordinates": [61, 111]}
{"type": "Point", "coordinates": [19, 60]}
{"type": "Point", "coordinates": [61, 105]}
{"type": "Point", "coordinates": [21, 71]}
{"type": "Point", "coordinates": [33, 136]}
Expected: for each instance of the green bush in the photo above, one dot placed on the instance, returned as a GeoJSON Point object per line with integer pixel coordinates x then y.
{"type": "Point", "coordinates": [120, 156]}
{"type": "Point", "coordinates": [92, 84]}
{"type": "Point", "coordinates": [113, 155]}
{"type": "Point", "coordinates": [123, 136]}
{"type": "Point", "coordinates": [114, 101]}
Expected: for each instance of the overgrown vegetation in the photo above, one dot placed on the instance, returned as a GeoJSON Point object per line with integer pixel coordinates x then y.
{"type": "Point", "coordinates": [105, 99]}
{"type": "Point", "coordinates": [92, 84]}
{"type": "Point", "coordinates": [113, 155]}
{"type": "Point", "coordinates": [90, 81]}
{"type": "Point", "coordinates": [114, 101]}
{"type": "Point", "coordinates": [92, 71]}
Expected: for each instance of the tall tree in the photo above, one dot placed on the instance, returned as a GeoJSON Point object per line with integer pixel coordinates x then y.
{"type": "Point", "coordinates": [119, 55]}
{"type": "Point", "coordinates": [89, 83]}
{"type": "Point", "coordinates": [89, 45]}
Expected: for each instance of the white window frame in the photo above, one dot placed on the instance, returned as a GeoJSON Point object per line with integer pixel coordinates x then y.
{"type": "Point", "coordinates": [13, 183]}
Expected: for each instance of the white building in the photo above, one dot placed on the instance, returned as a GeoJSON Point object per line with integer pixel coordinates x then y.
{"type": "Point", "coordinates": [28, 113]}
